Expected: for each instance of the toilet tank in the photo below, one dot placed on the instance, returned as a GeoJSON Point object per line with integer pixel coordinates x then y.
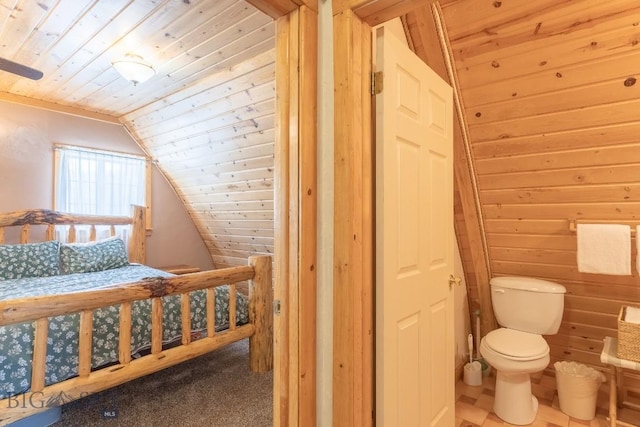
{"type": "Point", "coordinates": [528, 304]}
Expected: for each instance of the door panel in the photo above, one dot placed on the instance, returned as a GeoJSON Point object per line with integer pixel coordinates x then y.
{"type": "Point", "coordinates": [414, 242]}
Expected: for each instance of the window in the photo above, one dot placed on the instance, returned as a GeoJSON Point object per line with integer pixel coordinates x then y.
{"type": "Point", "coordinates": [97, 182]}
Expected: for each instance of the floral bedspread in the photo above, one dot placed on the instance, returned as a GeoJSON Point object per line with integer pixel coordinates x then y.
{"type": "Point", "coordinates": [16, 341]}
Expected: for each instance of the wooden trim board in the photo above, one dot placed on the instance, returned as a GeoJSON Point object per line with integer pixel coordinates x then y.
{"type": "Point", "coordinates": [353, 224]}
{"type": "Point", "coordinates": [295, 201]}
{"type": "Point", "coordinates": [279, 8]}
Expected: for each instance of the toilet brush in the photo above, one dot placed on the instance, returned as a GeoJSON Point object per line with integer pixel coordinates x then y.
{"type": "Point", "coordinates": [472, 370]}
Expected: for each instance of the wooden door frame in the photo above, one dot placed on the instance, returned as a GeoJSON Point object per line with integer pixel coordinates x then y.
{"type": "Point", "coordinates": [295, 209]}
{"type": "Point", "coordinates": [295, 201]}
{"type": "Point", "coordinates": [354, 174]}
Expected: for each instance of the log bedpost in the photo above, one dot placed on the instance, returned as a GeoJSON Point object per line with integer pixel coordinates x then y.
{"type": "Point", "coordinates": [260, 315]}
{"type": "Point", "coordinates": [138, 235]}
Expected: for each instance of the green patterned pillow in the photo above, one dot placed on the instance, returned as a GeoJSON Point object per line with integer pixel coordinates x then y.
{"type": "Point", "coordinates": [29, 260]}
{"type": "Point", "coordinates": [94, 256]}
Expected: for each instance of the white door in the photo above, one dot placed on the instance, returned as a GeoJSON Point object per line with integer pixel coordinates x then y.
{"type": "Point", "coordinates": [414, 241]}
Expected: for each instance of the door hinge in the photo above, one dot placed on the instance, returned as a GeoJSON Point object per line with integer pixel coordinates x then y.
{"type": "Point", "coordinates": [276, 307]}
{"type": "Point", "coordinates": [376, 82]}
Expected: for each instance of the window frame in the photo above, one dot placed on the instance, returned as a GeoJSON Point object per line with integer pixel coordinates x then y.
{"type": "Point", "coordinates": [57, 148]}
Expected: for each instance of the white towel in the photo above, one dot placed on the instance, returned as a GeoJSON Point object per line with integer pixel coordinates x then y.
{"type": "Point", "coordinates": [604, 249]}
{"type": "Point", "coordinates": [632, 315]}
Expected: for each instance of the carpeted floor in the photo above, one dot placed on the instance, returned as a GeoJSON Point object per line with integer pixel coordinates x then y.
{"type": "Point", "coordinates": [217, 389]}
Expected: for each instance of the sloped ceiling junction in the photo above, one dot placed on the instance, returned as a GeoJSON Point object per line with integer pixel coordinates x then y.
{"type": "Point", "coordinates": [206, 117]}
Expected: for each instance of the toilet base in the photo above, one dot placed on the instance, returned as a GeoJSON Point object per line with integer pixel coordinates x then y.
{"type": "Point", "coordinates": [514, 402]}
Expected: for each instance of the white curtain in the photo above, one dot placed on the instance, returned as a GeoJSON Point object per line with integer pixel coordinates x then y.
{"type": "Point", "coordinates": [98, 183]}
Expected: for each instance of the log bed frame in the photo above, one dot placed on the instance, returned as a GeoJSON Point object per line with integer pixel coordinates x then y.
{"type": "Point", "coordinates": [259, 330]}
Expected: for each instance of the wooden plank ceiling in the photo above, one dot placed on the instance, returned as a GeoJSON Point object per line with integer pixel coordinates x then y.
{"type": "Point", "coordinates": [552, 104]}
{"type": "Point", "coordinates": [206, 117]}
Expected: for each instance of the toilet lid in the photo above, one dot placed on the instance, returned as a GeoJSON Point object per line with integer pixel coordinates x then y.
{"type": "Point", "coordinates": [517, 344]}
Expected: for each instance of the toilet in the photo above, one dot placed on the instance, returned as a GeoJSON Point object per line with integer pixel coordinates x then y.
{"type": "Point", "coordinates": [525, 308]}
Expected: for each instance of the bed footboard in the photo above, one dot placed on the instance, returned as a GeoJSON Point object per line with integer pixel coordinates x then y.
{"type": "Point", "coordinates": [259, 330]}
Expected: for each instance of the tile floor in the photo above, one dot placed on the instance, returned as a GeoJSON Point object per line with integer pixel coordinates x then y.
{"type": "Point", "coordinates": [474, 406]}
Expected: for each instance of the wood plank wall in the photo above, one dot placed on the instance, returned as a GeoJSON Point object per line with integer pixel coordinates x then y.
{"type": "Point", "coordinates": [214, 140]}
{"type": "Point", "coordinates": [553, 110]}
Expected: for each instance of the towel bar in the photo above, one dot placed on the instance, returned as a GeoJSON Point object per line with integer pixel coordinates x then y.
{"type": "Point", "coordinates": [574, 222]}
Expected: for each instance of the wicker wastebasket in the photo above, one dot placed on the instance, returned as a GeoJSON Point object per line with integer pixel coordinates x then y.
{"type": "Point", "coordinates": [628, 338]}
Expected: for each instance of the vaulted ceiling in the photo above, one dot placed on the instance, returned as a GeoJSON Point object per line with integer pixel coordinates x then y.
{"type": "Point", "coordinates": [205, 117]}
{"type": "Point", "coordinates": [74, 42]}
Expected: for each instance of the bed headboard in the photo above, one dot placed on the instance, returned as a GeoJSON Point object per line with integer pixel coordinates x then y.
{"type": "Point", "coordinates": [25, 219]}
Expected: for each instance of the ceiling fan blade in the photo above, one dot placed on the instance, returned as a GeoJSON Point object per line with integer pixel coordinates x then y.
{"type": "Point", "coordinates": [19, 69]}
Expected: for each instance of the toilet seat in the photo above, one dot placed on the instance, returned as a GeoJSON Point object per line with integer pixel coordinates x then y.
{"type": "Point", "coordinates": [516, 345]}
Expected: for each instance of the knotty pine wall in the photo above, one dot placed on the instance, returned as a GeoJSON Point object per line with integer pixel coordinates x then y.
{"type": "Point", "coordinates": [552, 107]}
{"type": "Point", "coordinates": [214, 142]}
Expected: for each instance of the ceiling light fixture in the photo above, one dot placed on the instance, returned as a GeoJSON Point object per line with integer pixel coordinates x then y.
{"type": "Point", "coordinates": [133, 68]}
